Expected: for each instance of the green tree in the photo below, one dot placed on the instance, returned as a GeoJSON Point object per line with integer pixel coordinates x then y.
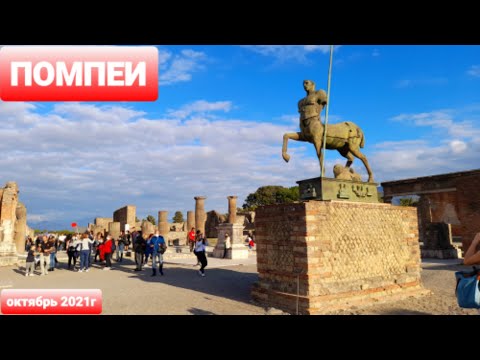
{"type": "Point", "coordinates": [380, 196]}
{"type": "Point", "coordinates": [137, 219]}
{"type": "Point", "coordinates": [151, 219]}
{"type": "Point", "coordinates": [408, 202]}
{"type": "Point", "coordinates": [272, 194]}
{"type": "Point", "coordinates": [178, 217]}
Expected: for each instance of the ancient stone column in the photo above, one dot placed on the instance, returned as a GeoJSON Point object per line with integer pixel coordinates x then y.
{"type": "Point", "coordinates": [114, 229]}
{"type": "Point", "coordinates": [163, 228]}
{"type": "Point", "coordinates": [8, 207]}
{"type": "Point", "coordinates": [232, 209]}
{"type": "Point", "coordinates": [20, 227]}
{"type": "Point", "coordinates": [200, 216]}
{"type": "Point", "coordinates": [190, 220]}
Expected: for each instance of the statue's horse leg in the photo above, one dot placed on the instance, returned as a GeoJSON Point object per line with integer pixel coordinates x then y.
{"type": "Point", "coordinates": [298, 136]}
{"type": "Point", "coordinates": [354, 149]}
{"type": "Point", "coordinates": [345, 152]}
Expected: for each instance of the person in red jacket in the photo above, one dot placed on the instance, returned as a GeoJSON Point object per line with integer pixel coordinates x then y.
{"type": "Point", "coordinates": [191, 239]}
{"type": "Point", "coordinates": [107, 250]}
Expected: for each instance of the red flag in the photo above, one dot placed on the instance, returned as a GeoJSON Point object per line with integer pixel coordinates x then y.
{"type": "Point", "coordinates": [74, 225]}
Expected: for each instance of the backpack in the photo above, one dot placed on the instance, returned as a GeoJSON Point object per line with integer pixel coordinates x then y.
{"type": "Point", "coordinates": [468, 289]}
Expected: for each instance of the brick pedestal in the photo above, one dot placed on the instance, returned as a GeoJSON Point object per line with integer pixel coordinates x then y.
{"type": "Point", "coordinates": [319, 256]}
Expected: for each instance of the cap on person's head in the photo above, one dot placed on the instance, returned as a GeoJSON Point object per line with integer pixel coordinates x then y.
{"type": "Point", "coordinates": [109, 236]}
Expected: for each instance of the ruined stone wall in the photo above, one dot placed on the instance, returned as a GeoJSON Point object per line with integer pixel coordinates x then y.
{"type": "Point", "coordinates": [343, 253]}
{"type": "Point", "coordinates": [468, 202]}
{"type": "Point", "coordinates": [214, 218]}
{"type": "Point", "coordinates": [177, 238]}
{"type": "Point", "coordinates": [103, 222]}
{"type": "Point", "coordinates": [125, 215]}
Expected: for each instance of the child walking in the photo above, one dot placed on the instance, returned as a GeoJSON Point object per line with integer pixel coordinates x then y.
{"type": "Point", "coordinates": [30, 265]}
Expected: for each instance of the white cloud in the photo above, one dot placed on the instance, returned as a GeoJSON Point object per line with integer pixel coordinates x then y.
{"type": "Point", "coordinates": [444, 120]}
{"type": "Point", "coordinates": [474, 71]}
{"type": "Point", "coordinates": [458, 146]}
{"type": "Point", "coordinates": [453, 144]}
{"type": "Point", "coordinates": [409, 83]}
{"type": "Point", "coordinates": [284, 53]}
{"type": "Point", "coordinates": [80, 161]}
{"type": "Point", "coordinates": [201, 106]}
{"type": "Point", "coordinates": [180, 67]}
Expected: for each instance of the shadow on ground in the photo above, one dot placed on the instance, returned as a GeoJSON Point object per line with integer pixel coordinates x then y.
{"type": "Point", "coordinates": [223, 282]}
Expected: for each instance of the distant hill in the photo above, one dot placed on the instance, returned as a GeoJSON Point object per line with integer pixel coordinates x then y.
{"type": "Point", "coordinates": [58, 225]}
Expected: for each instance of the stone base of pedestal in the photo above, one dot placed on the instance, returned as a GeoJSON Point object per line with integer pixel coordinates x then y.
{"type": "Point", "coordinates": [8, 260]}
{"type": "Point", "coordinates": [238, 252]}
{"type": "Point", "coordinates": [8, 254]}
{"type": "Point", "coordinates": [235, 231]}
{"type": "Point", "coordinates": [454, 253]}
{"type": "Point", "coordinates": [218, 253]}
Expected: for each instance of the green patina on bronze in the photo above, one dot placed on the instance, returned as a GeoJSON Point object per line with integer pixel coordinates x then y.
{"type": "Point", "coordinates": [346, 137]}
{"type": "Point", "coordinates": [336, 189]}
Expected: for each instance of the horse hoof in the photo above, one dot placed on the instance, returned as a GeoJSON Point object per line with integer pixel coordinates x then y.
{"type": "Point", "coordinates": [286, 157]}
{"type": "Point", "coordinates": [370, 180]}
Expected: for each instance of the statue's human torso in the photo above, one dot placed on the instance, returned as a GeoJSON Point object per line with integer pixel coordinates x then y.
{"type": "Point", "coordinates": [312, 105]}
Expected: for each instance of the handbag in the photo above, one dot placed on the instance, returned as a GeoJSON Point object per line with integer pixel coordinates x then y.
{"type": "Point", "coordinates": [467, 289]}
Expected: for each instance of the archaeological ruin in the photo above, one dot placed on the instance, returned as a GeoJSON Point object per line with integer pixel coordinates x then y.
{"type": "Point", "coordinates": [448, 210]}
{"type": "Point", "coordinates": [13, 225]}
{"type": "Point", "coordinates": [338, 247]}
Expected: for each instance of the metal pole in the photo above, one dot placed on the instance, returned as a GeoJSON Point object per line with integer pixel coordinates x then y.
{"type": "Point", "coordinates": [298, 290]}
{"type": "Point", "coordinates": [326, 111]}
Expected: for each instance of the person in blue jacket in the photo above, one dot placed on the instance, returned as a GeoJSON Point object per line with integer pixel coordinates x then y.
{"type": "Point", "coordinates": [157, 247]}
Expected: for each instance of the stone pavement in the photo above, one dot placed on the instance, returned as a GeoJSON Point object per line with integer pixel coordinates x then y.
{"type": "Point", "coordinates": [224, 290]}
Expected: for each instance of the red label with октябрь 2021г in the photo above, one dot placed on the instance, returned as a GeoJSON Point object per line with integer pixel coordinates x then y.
{"type": "Point", "coordinates": [51, 301]}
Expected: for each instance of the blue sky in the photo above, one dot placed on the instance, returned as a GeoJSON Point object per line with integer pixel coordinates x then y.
{"type": "Point", "coordinates": [216, 129]}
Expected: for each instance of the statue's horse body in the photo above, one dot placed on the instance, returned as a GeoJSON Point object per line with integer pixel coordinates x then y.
{"type": "Point", "coordinates": [346, 137]}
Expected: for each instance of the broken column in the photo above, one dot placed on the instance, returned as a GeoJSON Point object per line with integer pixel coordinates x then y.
{"type": "Point", "coordinates": [8, 207]}
{"type": "Point", "coordinates": [232, 209]}
{"type": "Point", "coordinates": [190, 220]}
{"type": "Point", "coordinates": [200, 215]}
{"type": "Point", "coordinates": [163, 226]}
{"type": "Point", "coordinates": [20, 227]}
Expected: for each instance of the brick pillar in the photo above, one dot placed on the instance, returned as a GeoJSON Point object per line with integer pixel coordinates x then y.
{"type": "Point", "coordinates": [232, 209]}
{"type": "Point", "coordinates": [200, 215]}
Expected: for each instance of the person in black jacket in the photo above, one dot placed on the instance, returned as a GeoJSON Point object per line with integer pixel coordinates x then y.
{"type": "Point", "coordinates": [139, 246]}
{"type": "Point", "coordinates": [30, 261]}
